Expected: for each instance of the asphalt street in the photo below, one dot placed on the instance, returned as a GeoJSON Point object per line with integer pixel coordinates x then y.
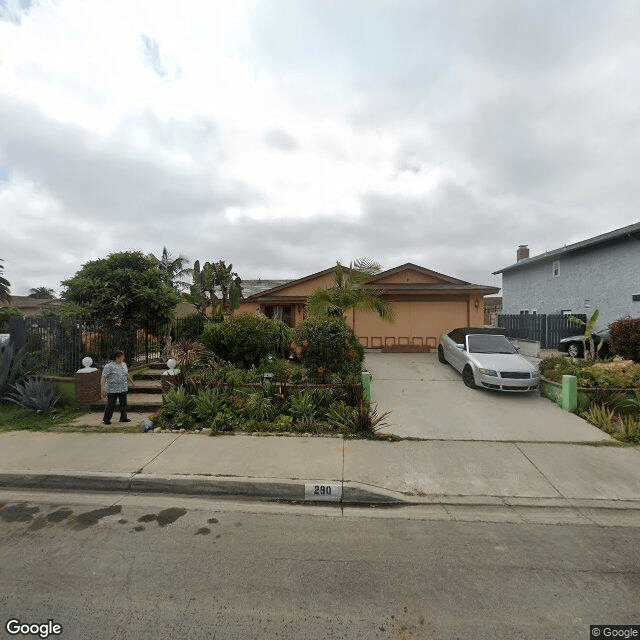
{"type": "Point", "coordinates": [137, 567]}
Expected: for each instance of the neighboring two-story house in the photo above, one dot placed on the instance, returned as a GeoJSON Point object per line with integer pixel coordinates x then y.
{"type": "Point", "coordinates": [602, 272]}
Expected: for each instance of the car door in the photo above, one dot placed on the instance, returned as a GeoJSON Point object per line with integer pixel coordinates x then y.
{"type": "Point", "coordinates": [456, 356]}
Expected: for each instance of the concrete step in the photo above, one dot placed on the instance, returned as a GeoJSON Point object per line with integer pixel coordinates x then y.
{"type": "Point", "coordinates": [137, 402]}
{"type": "Point", "coordinates": [148, 375]}
{"type": "Point", "coordinates": [146, 386]}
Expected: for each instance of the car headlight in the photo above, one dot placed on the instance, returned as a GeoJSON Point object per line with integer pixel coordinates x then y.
{"type": "Point", "coordinates": [488, 372]}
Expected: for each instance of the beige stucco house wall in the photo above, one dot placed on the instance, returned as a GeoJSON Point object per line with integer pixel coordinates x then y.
{"type": "Point", "coordinates": [425, 305]}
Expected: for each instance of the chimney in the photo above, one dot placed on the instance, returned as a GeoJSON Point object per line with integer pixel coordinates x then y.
{"type": "Point", "coordinates": [523, 252]}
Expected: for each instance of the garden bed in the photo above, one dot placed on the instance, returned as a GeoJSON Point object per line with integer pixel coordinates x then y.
{"type": "Point", "coordinates": [608, 392]}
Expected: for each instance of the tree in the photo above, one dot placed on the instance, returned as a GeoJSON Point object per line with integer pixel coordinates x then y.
{"type": "Point", "coordinates": [124, 292]}
{"type": "Point", "coordinates": [5, 286]}
{"type": "Point", "coordinates": [175, 269]}
{"type": "Point", "coordinates": [590, 351]}
{"type": "Point", "coordinates": [212, 279]}
{"type": "Point", "coordinates": [42, 293]}
{"type": "Point", "coordinates": [348, 293]}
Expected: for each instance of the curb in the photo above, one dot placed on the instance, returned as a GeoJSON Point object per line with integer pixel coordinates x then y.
{"type": "Point", "coordinates": [262, 489]}
{"type": "Point", "coordinates": [279, 490]}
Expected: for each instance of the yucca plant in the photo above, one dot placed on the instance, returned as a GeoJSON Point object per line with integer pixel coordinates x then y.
{"type": "Point", "coordinates": [601, 416]}
{"type": "Point", "coordinates": [630, 427]}
{"type": "Point", "coordinates": [35, 394]}
{"type": "Point", "coordinates": [207, 403]}
{"type": "Point", "coordinates": [187, 352]}
{"type": "Point", "coordinates": [365, 421]}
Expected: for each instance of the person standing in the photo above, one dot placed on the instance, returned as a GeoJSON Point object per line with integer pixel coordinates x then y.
{"type": "Point", "coordinates": [115, 382]}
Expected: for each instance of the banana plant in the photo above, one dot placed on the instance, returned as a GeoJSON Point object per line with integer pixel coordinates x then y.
{"type": "Point", "coordinates": [589, 326]}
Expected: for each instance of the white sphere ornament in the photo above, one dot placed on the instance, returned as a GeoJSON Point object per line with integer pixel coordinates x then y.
{"type": "Point", "coordinates": [171, 363]}
{"type": "Point", "coordinates": [87, 362]}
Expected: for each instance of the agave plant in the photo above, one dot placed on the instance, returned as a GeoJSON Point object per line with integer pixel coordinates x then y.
{"type": "Point", "coordinates": [258, 407]}
{"type": "Point", "coordinates": [14, 367]}
{"type": "Point", "coordinates": [177, 400]}
{"type": "Point", "coordinates": [302, 405]}
{"type": "Point", "coordinates": [35, 394]}
{"type": "Point", "coordinates": [207, 403]}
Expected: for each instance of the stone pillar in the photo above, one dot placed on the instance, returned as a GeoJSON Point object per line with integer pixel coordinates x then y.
{"type": "Point", "coordinates": [569, 393]}
{"type": "Point", "coordinates": [87, 382]}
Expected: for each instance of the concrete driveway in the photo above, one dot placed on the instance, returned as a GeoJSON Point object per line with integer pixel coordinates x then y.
{"type": "Point", "coordinates": [429, 400]}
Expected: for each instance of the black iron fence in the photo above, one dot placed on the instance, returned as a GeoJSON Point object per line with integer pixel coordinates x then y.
{"type": "Point", "coordinates": [548, 329]}
{"type": "Point", "coordinates": [58, 345]}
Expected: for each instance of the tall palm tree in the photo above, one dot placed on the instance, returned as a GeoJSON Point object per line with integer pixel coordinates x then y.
{"type": "Point", "coordinates": [42, 293]}
{"type": "Point", "coordinates": [175, 269]}
{"type": "Point", "coordinates": [348, 292]}
{"type": "Point", "coordinates": [5, 286]}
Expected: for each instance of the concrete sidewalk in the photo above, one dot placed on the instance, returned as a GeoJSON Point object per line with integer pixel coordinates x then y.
{"type": "Point", "coordinates": [370, 472]}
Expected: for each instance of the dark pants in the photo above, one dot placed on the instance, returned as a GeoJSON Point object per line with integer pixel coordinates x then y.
{"type": "Point", "coordinates": [111, 405]}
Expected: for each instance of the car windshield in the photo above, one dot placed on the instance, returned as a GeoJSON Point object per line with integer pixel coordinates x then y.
{"type": "Point", "coordinates": [490, 344]}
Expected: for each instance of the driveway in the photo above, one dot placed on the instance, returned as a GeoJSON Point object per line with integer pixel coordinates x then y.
{"type": "Point", "coordinates": [429, 400]}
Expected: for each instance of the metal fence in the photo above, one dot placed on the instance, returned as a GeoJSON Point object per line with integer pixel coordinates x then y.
{"type": "Point", "coordinates": [58, 345]}
{"type": "Point", "coordinates": [548, 329]}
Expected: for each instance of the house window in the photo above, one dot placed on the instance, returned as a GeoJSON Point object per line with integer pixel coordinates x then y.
{"type": "Point", "coordinates": [635, 297]}
{"type": "Point", "coordinates": [565, 312]}
{"type": "Point", "coordinates": [556, 268]}
{"type": "Point", "coordinates": [524, 312]}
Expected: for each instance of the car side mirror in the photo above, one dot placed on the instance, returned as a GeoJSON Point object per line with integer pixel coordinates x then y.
{"type": "Point", "coordinates": [460, 346]}
{"type": "Point", "coordinates": [517, 348]}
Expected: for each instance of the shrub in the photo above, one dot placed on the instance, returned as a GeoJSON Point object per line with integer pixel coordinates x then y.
{"type": "Point", "coordinates": [616, 374]}
{"type": "Point", "coordinates": [245, 340]}
{"type": "Point", "coordinates": [5, 314]}
{"type": "Point", "coordinates": [35, 394]}
{"type": "Point", "coordinates": [189, 328]}
{"type": "Point", "coordinates": [624, 335]}
{"type": "Point", "coordinates": [327, 346]}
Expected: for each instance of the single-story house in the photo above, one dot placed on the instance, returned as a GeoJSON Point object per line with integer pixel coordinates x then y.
{"type": "Point", "coordinates": [425, 304]}
{"type": "Point", "coordinates": [602, 272]}
{"type": "Point", "coordinates": [32, 306]}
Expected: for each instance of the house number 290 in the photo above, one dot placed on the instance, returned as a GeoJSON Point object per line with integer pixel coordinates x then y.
{"type": "Point", "coordinates": [326, 492]}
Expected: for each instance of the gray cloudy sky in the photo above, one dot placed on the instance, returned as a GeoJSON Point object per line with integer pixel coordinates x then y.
{"type": "Point", "coordinates": [282, 135]}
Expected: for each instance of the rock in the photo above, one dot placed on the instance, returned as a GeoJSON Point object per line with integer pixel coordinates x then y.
{"type": "Point", "coordinates": [145, 425]}
{"type": "Point", "coordinates": [182, 430]}
{"type": "Point", "coordinates": [206, 430]}
{"type": "Point", "coordinates": [157, 430]}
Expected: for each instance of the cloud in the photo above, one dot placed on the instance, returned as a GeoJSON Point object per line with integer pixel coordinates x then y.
{"type": "Point", "coordinates": [280, 139]}
{"type": "Point", "coordinates": [293, 134]}
{"type": "Point", "coordinates": [14, 10]}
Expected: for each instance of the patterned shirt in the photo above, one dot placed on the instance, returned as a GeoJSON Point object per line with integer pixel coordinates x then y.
{"type": "Point", "coordinates": [115, 376]}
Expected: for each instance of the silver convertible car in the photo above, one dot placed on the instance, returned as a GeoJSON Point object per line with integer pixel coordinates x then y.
{"type": "Point", "coordinates": [487, 359]}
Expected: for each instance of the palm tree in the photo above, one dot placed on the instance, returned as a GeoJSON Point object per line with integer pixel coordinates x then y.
{"type": "Point", "coordinates": [5, 291]}
{"type": "Point", "coordinates": [42, 293]}
{"type": "Point", "coordinates": [175, 269]}
{"type": "Point", "coordinates": [348, 292]}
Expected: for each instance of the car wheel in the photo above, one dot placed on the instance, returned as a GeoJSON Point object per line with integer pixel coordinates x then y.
{"type": "Point", "coordinates": [441, 355]}
{"type": "Point", "coordinates": [575, 350]}
{"type": "Point", "coordinates": [468, 379]}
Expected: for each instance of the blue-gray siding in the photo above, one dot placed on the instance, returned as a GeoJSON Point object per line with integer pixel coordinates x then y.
{"type": "Point", "coordinates": [604, 277]}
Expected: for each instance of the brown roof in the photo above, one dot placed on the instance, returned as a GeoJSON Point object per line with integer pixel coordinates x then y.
{"type": "Point", "coordinates": [447, 285]}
